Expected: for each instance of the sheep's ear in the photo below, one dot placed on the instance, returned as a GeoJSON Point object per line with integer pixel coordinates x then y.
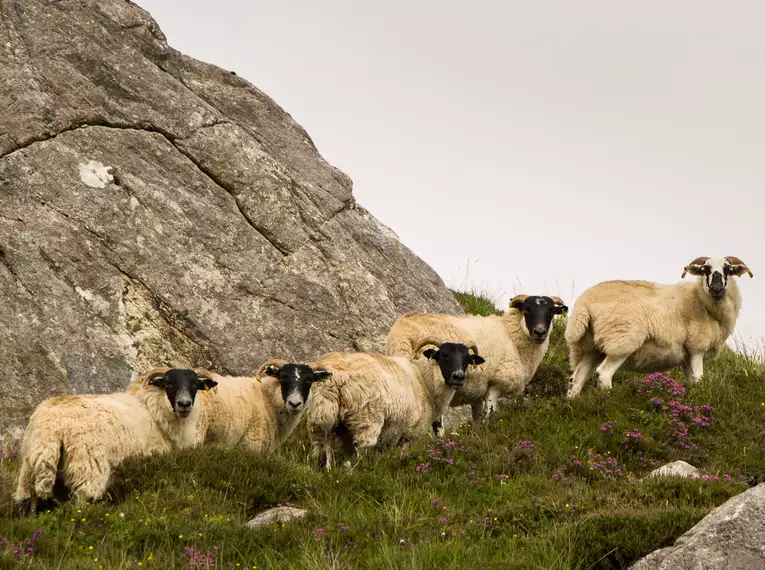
{"type": "Point", "coordinates": [518, 301]}
{"type": "Point", "coordinates": [204, 383]}
{"type": "Point", "coordinates": [272, 370]}
{"type": "Point", "coordinates": [738, 267]}
{"type": "Point", "coordinates": [475, 359]}
{"type": "Point", "coordinates": [430, 354]}
{"type": "Point", "coordinates": [694, 267]}
{"type": "Point", "coordinates": [321, 375]}
{"type": "Point", "coordinates": [560, 306]}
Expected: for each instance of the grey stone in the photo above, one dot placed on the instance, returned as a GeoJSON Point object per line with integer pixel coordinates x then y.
{"type": "Point", "coordinates": [276, 515]}
{"type": "Point", "coordinates": [157, 210]}
{"type": "Point", "coordinates": [675, 469]}
{"type": "Point", "coordinates": [732, 537]}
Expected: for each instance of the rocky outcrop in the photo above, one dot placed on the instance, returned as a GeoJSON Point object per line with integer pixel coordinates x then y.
{"type": "Point", "coordinates": [732, 537]}
{"type": "Point", "coordinates": [155, 209]}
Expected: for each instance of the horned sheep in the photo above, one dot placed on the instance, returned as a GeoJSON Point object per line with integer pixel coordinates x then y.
{"type": "Point", "coordinates": [513, 345]}
{"type": "Point", "coordinates": [376, 401]}
{"type": "Point", "coordinates": [84, 437]}
{"type": "Point", "coordinates": [258, 413]}
{"type": "Point", "coordinates": [643, 326]}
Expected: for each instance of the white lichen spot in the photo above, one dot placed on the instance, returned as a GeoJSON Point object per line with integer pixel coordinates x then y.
{"type": "Point", "coordinates": [84, 293]}
{"type": "Point", "coordinates": [134, 202]}
{"type": "Point", "coordinates": [95, 300]}
{"type": "Point", "coordinates": [95, 174]}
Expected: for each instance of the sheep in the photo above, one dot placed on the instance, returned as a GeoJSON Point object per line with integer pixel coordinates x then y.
{"type": "Point", "coordinates": [376, 401]}
{"type": "Point", "coordinates": [84, 437]}
{"type": "Point", "coordinates": [643, 326]}
{"type": "Point", "coordinates": [513, 345]}
{"type": "Point", "coordinates": [258, 413]}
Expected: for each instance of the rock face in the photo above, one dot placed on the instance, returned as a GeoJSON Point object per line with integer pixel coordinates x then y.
{"type": "Point", "coordinates": [155, 210]}
{"type": "Point", "coordinates": [732, 537]}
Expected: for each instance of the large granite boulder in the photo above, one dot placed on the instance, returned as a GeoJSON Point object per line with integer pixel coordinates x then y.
{"type": "Point", "coordinates": [155, 209]}
{"type": "Point", "coordinates": [731, 537]}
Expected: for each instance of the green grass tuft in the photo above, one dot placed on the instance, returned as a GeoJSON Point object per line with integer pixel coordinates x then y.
{"type": "Point", "coordinates": [547, 484]}
{"type": "Point", "coordinates": [476, 303]}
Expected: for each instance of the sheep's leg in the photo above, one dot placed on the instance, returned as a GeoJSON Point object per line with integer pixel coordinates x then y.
{"type": "Point", "coordinates": [581, 373]}
{"type": "Point", "coordinates": [91, 490]}
{"type": "Point", "coordinates": [697, 366]}
{"type": "Point", "coordinates": [366, 429]}
{"type": "Point", "coordinates": [607, 369]}
{"type": "Point", "coordinates": [687, 371]}
{"type": "Point", "coordinates": [25, 487]}
{"type": "Point", "coordinates": [326, 456]}
{"type": "Point", "coordinates": [366, 438]}
{"type": "Point", "coordinates": [478, 411]}
{"type": "Point", "coordinates": [491, 402]}
{"type": "Point", "coordinates": [438, 428]}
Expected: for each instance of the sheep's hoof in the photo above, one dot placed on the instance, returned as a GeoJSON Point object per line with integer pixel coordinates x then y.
{"type": "Point", "coordinates": [573, 392]}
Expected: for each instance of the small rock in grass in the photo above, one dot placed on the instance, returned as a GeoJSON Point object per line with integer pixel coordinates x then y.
{"type": "Point", "coordinates": [675, 469]}
{"type": "Point", "coordinates": [276, 515]}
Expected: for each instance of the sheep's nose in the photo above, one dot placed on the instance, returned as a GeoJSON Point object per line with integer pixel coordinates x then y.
{"type": "Point", "coordinates": [540, 330]}
{"type": "Point", "coordinates": [183, 403]}
{"type": "Point", "coordinates": [458, 375]}
{"type": "Point", "coordinates": [294, 405]}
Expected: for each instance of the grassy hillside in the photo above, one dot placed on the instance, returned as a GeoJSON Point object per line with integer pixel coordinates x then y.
{"type": "Point", "coordinates": [547, 484]}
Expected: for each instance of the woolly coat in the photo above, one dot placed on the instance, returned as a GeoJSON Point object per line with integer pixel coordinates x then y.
{"type": "Point", "coordinates": [511, 356]}
{"type": "Point", "coordinates": [379, 399]}
{"type": "Point", "coordinates": [658, 325]}
{"type": "Point", "coordinates": [86, 436]}
{"type": "Point", "coordinates": [246, 411]}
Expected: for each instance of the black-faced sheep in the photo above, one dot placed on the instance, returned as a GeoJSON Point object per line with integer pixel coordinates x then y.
{"type": "Point", "coordinates": [257, 413]}
{"type": "Point", "coordinates": [642, 326]}
{"type": "Point", "coordinates": [84, 437]}
{"type": "Point", "coordinates": [513, 345]}
{"type": "Point", "coordinates": [377, 401]}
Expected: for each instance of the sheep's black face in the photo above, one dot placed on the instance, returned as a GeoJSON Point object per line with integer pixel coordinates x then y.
{"type": "Point", "coordinates": [295, 381]}
{"type": "Point", "coordinates": [453, 360]}
{"type": "Point", "coordinates": [181, 386]}
{"type": "Point", "coordinates": [538, 313]}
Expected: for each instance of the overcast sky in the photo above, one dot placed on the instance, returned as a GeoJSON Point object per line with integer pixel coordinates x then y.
{"type": "Point", "coordinates": [534, 147]}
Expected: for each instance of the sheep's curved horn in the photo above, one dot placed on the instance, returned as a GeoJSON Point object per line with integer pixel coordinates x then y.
{"type": "Point", "coordinates": [558, 301]}
{"type": "Point", "coordinates": [738, 266]}
{"type": "Point", "coordinates": [517, 299]}
{"type": "Point", "coordinates": [472, 345]}
{"type": "Point", "coordinates": [204, 373]}
{"type": "Point", "coordinates": [424, 342]}
{"type": "Point", "coordinates": [694, 266]}
{"type": "Point", "coordinates": [155, 373]}
{"type": "Point", "coordinates": [278, 362]}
